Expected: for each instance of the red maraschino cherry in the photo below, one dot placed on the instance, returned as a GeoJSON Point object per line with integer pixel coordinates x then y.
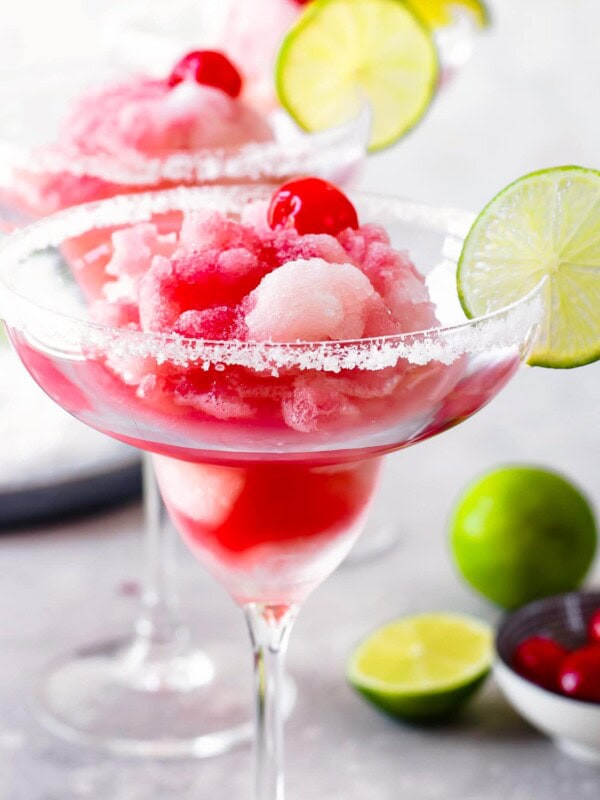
{"type": "Point", "coordinates": [594, 628]}
{"type": "Point", "coordinates": [539, 659]}
{"type": "Point", "coordinates": [580, 674]}
{"type": "Point", "coordinates": [208, 68]}
{"type": "Point", "coordinates": [311, 205]}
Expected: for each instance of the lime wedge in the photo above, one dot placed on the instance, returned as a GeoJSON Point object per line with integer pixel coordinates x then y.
{"type": "Point", "coordinates": [544, 225]}
{"type": "Point", "coordinates": [423, 667]}
{"type": "Point", "coordinates": [341, 54]}
{"type": "Point", "coordinates": [440, 13]}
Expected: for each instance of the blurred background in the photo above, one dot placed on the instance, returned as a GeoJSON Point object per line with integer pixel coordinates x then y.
{"type": "Point", "coordinates": [526, 100]}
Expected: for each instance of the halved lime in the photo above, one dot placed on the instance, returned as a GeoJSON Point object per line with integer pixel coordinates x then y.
{"type": "Point", "coordinates": [423, 667]}
{"type": "Point", "coordinates": [343, 53]}
{"type": "Point", "coordinates": [439, 13]}
{"type": "Point", "coordinates": [544, 225]}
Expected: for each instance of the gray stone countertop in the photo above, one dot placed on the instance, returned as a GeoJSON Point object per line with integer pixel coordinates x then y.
{"type": "Point", "coordinates": [63, 586]}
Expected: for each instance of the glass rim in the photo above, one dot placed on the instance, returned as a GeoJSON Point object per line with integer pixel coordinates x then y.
{"type": "Point", "coordinates": [134, 208]}
{"type": "Point", "coordinates": [277, 158]}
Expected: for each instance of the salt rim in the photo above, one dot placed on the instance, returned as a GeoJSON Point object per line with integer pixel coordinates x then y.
{"type": "Point", "coordinates": [256, 161]}
{"type": "Point", "coordinates": [75, 338]}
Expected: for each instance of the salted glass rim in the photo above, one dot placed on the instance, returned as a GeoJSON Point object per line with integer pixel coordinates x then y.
{"type": "Point", "coordinates": [131, 209]}
{"type": "Point", "coordinates": [302, 152]}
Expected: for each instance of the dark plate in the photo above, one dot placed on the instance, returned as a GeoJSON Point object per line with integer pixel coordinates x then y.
{"type": "Point", "coordinates": [75, 496]}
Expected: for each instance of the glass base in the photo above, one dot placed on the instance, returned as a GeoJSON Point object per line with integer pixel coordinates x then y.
{"type": "Point", "coordinates": [140, 699]}
{"type": "Point", "coordinates": [377, 540]}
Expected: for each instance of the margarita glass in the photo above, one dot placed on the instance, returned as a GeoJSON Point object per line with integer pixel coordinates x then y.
{"type": "Point", "coordinates": [269, 507]}
{"type": "Point", "coordinates": [155, 692]}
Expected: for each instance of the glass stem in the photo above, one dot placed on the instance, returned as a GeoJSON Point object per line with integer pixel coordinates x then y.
{"type": "Point", "coordinates": [159, 622]}
{"type": "Point", "coordinates": [270, 628]}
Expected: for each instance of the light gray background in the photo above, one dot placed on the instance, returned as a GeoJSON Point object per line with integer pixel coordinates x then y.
{"type": "Point", "coordinates": [528, 99]}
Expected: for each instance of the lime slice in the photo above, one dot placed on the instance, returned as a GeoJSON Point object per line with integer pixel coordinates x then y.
{"type": "Point", "coordinates": [544, 225]}
{"type": "Point", "coordinates": [343, 53]}
{"type": "Point", "coordinates": [440, 13]}
{"type": "Point", "coordinates": [423, 667]}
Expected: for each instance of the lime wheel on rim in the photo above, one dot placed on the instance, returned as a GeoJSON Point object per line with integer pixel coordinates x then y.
{"type": "Point", "coordinates": [341, 54]}
{"type": "Point", "coordinates": [543, 227]}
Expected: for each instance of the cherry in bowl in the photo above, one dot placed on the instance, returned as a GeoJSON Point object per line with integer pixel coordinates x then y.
{"type": "Point", "coordinates": [570, 718]}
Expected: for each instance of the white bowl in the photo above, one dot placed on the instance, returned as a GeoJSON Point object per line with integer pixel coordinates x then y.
{"type": "Point", "coordinates": [574, 725]}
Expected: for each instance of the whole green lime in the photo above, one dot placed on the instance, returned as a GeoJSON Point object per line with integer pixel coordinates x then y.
{"type": "Point", "coordinates": [521, 533]}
